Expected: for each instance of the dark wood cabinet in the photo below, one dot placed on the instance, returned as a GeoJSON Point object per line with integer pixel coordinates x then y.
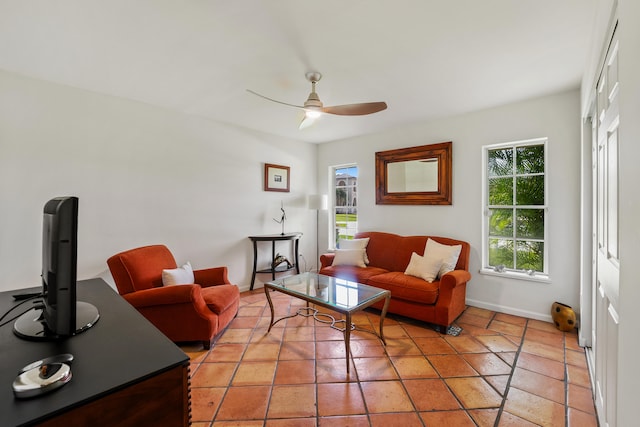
{"type": "Point", "coordinates": [125, 371]}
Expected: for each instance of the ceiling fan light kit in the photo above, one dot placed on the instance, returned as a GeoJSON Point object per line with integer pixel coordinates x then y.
{"type": "Point", "coordinates": [314, 108]}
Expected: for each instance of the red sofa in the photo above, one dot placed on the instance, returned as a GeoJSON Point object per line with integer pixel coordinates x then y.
{"type": "Point", "coordinates": [185, 312]}
{"type": "Point", "coordinates": [439, 302]}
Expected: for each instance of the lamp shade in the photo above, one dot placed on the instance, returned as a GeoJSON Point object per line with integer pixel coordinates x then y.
{"type": "Point", "coordinates": [317, 202]}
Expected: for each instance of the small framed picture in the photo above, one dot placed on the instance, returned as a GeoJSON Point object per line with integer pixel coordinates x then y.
{"type": "Point", "coordinates": [276, 178]}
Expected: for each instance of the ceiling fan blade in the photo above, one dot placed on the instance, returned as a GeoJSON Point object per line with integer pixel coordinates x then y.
{"type": "Point", "coordinates": [356, 109]}
{"type": "Point", "coordinates": [306, 122]}
{"type": "Point", "coordinates": [274, 100]}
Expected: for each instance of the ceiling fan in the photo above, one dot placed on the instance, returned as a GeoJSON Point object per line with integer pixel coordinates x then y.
{"type": "Point", "coordinates": [313, 107]}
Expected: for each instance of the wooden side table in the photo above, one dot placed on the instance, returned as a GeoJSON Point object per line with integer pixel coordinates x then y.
{"type": "Point", "coordinates": [294, 238]}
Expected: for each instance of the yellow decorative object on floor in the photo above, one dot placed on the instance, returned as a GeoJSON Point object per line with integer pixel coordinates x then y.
{"type": "Point", "coordinates": [563, 316]}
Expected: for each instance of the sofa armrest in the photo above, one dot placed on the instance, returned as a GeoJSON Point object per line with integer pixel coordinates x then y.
{"type": "Point", "coordinates": [454, 278]}
{"type": "Point", "coordinates": [451, 299]}
{"type": "Point", "coordinates": [326, 260]}
{"type": "Point", "coordinates": [166, 295]}
{"type": "Point", "coordinates": [448, 284]}
{"type": "Point", "coordinates": [211, 276]}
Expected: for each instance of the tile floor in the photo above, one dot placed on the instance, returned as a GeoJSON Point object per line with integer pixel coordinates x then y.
{"type": "Point", "coordinates": [502, 370]}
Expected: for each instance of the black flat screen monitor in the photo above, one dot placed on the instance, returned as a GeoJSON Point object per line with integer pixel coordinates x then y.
{"type": "Point", "coordinates": [60, 314]}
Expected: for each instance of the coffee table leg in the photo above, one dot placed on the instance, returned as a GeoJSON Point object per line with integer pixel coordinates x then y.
{"type": "Point", "coordinates": [266, 292]}
{"type": "Point", "coordinates": [347, 338]}
{"type": "Point", "coordinates": [383, 315]}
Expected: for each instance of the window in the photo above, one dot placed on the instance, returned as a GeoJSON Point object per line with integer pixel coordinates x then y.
{"type": "Point", "coordinates": [345, 202]}
{"type": "Point", "coordinates": [514, 198]}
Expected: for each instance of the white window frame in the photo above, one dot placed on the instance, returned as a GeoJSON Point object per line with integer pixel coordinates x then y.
{"type": "Point", "coordinates": [332, 201]}
{"type": "Point", "coordinates": [513, 273]}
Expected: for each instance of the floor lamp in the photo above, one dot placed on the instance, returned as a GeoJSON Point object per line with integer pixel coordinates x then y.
{"type": "Point", "coordinates": [317, 202]}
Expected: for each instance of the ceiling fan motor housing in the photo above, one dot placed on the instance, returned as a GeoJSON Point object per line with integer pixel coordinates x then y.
{"type": "Point", "coordinates": [313, 100]}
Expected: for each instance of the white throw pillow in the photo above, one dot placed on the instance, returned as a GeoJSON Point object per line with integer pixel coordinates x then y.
{"type": "Point", "coordinates": [178, 276]}
{"type": "Point", "coordinates": [448, 255]}
{"type": "Point", "coordinates": [349, 257]}
{"type": "Point", "coordinates": [355, 244]}
{"type": "Point", "coordinates": [423, 267]}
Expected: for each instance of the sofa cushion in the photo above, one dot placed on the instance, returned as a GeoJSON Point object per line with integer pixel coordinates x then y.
{"type": "Point", "coordinates": [445, 255]}
{"type": "Point", "coordinates": [355, 244]}
{"type": "Point", "coordinates": [178, 276]}
{"type": "Point", "coordinates": [393, 252]}
{"type": "Point", "coordinates": [360, 275]}
{"type": "Point", "coordinates": [426, 268]}
{"type": "Point", "coordinates": [403, 286]}
{"type": "Point", "coordinates": [353, 257]}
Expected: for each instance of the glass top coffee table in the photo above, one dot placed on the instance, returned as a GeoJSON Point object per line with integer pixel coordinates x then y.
{"type": "Point", "coordinates": [339, 295]}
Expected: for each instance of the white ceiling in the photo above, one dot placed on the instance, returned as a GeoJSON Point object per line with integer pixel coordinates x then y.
{"type": "Point", "coordinates": [426, 58]}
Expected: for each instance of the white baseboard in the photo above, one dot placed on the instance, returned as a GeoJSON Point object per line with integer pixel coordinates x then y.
{"type": "Point", "coordinates": [545, 317]}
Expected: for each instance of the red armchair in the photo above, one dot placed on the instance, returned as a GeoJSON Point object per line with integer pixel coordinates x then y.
{"type": "Point", "coordinates": [190, 312]}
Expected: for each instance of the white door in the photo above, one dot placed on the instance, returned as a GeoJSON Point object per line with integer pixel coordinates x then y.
{"type": "Point", "coordinates": [607, 265]}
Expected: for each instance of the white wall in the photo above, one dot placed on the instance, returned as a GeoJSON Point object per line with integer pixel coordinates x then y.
{"type": "Point", "coordinates": [628, 14]}
{"type": "Point", "coordinates": [628, 392]}
{"type": "Point", "coordinates": [556, 117]}
{"type": "Point", "coordinates": [144, 175]}
{"type": "Point", "coordinates": [147, 175]}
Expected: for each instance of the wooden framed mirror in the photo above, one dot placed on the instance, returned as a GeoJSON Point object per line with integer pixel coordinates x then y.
{"type": "Point", "coordinates": [415, 176]}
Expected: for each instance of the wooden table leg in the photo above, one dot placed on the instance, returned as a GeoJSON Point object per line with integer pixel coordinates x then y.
{"type": "Point", "coordinates": [255, 264]}
{"type": "Point", "coordinates": [273, 257]}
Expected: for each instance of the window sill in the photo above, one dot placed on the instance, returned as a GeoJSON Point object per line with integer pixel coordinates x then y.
{"type": "Point", "coordinates": [538, 277]}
